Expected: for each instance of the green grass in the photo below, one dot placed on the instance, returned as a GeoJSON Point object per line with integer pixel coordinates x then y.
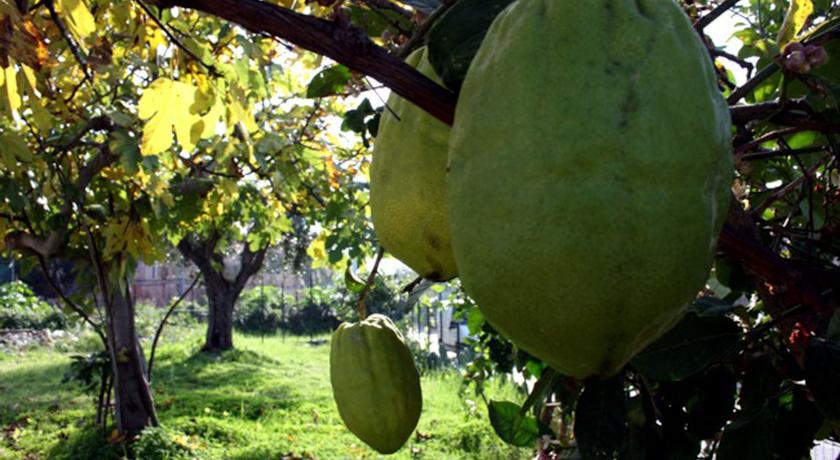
{"type": "Point", "coordinates": [268, 399]}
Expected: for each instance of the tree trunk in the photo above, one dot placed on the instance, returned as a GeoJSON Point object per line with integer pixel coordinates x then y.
{"type": "Point", "coordinates": [221, 292]}
{"type": "Point", "coordinates": [222, 299]}
{"type": "Point", "coordinates": [134, 408]}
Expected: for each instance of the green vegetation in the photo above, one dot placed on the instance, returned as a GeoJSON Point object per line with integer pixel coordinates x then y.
{"type": "Point", "coordinates": [268, 399]}
{"type": "Point", "coordinates": [20, 308]}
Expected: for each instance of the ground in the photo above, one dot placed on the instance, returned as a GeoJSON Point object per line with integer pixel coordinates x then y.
{"type": "Point", "coordinates": [269, 399]}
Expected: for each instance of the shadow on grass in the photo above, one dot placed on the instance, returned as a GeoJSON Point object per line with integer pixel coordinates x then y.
{"type": "Point", "coordinates": [35, 388]}
{"type": "Point", "coordinates": [88, 443]}
{"type": "Point", "coordinates": [229, 384]}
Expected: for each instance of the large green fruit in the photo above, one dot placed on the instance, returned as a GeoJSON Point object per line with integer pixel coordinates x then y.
{"type": "Point", "coordinates": [375, 384]}
{"type": "Point", "coordinates": [408, 186]}
{"type": "Point", "coordinates": [590, 167]}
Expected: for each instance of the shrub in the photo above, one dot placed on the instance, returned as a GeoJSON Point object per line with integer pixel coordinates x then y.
{"type": "Point", "coordinates": [20, 308]}
{"type": "Point", "coordinates": [260, 310]}
{"type": "Point", "coordinates": [162, 443]}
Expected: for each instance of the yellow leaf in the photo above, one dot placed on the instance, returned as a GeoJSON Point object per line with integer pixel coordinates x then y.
{"type": "Point", "coordinates": [168, 105]}
{"type": "Point", "coordinates": [797, 14]}
{"type": "Point", "coordinates": [12, 95]}
{"type": "Point", "coordinates": [78, 18]}
{"type": "Point", "coordinates": [317, 250]}
{"type": "Point", "coordinates": [239, 110]}
{"type": "Point", "coordinates": [40, 116]}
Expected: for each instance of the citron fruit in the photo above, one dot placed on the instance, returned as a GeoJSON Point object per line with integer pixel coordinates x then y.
{"type": "Point", "coordinates": [408, 186]}
{"type": "Point", "coordinates": [590, 166]}
{"type": "Point", "coordinates": [375, 383]}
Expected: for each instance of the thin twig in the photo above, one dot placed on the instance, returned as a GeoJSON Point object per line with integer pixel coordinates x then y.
{"type": "Point", "coordinates": [60, 292]}
{"type": "Point", "coordinates": [766, 138]}
{"type": "Point", "coordinates": [74, 47]}
{"type": "Point", "coordinates": [714, 14]}
{"type": "Point", "coordinates": [387, 5]}
{"type": "Point", "coordinates": [789, 187]}
{"type": "Point", "coordinates": [368, 285]}
{"type": "Point", "coordinates": [420, 34]}
{"type": "Point", "coordinates": [175, 39]}
{"type": "Point", "coordinates": [163, 323]}
{"type": "Point", "coordinates": [781, 153]}
{"type": "Point", "coordinates": [753, 83]}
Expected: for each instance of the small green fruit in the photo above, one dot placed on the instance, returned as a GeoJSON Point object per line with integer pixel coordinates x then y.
{"type": "Point", "coordinates": [590, 166]}
{"type": "Point", "coordinates": [407, 184]}
{"type": "Point", "coordinates": [375, 383]}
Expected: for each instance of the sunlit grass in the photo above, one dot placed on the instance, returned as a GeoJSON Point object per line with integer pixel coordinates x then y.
{"type": "Point", "coordinates": [268, 399]}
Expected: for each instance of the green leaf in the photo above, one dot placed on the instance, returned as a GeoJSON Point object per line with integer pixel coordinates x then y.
{"type": "Point", "coordinates": [601, 418]}
{"type": "Point", "coordinates": [329, 82]}
{"type": "Point", "coordinates": [752, 433]}
{"type": "Point", "coordinates": [692, 345]}
{"type": "Point", "coordinates": [833, 331]}
{"type": "Point", "coordinates": [128, 150]}
{"type": "Point", "coordinates": [376, 22]}
{"type": "Point", "coordinates": [511, 426]}
{"type": "Point", "coordinates": [454, 40]}
{"type": "Point", "coordinates": [353, 283]}
{"type": "Point", "coordinates": [373, 124]}
{"type": "Point", "coordinates": [475, 320]}
{"type": "Point", "coordinates": [13, 149]}
{"type": "Point", "coordinates": [822, 374]}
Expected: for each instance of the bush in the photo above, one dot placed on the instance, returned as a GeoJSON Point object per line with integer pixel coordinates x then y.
{"type": "Point", "coordinates": [265, 310]}
{"type": "Point", "coordinates": [162, 443]}
{"type": "Point", "coordinates": [148, 317]}
{"type": "Point", "coordinates": [20, 308]}
{"type": "Point", "coordinates": [315, 311]}
{"type": "Point", "coordinates": [260, 310]}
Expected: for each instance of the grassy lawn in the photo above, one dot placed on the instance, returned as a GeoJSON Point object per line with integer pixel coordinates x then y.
{"type": "Point", "coordinates": [269, 399]}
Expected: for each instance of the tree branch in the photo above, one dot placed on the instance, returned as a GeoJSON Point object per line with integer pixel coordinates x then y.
{"type": "Point", "coordinates": [163, 323]}
{"type": "Point", "coordinates": [250, 263]}
{"type": "Point", "coordinates": [42, 261]}
{"type": "Point", "coordinates": [342, 42]}
{"type": "Point", "coordinates": [348, 46]}
{"type": "Point", "coordinates": [74, 47]}
{"type": "Point", "coordinates": [703, 22]}
{"type": "Point", "coordinates": [360, 305]}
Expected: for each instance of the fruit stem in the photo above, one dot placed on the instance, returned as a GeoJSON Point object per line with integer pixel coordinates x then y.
{"type": "Point", "coordinates": [360, 305]}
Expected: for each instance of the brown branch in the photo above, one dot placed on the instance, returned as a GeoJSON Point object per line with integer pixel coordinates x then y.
{"type": "Point", "coordinates": [780, 153]}
{"type": "Point", "coordinates": [159, 330]}
{"type": "Point", "coordinates": [346, 45]}
{"type": "Point", "coordinates": [703, 22]}
{"type": "Point", "coordinates": [387, 5]}
{"type": "Point", "coordinates": [339, 41]}
{"type": "Point", "coordinates": [74, 47]}
{"type": "Point", "coordinates": [766, 138]}
{"type": "Point", "coordinates": [789, 187]}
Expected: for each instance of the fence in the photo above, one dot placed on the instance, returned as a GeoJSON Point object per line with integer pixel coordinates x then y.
{"type": "Point", "coordinates": [435, 331]}
{"type": "Point", "coordinates": [148, 288]}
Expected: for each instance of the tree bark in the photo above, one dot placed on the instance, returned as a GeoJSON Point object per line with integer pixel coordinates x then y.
{"type": "Point", "coordinates": [222, 293]}
{"type": "Point", "coordinates": [221, 301]}
{"type": "Point", "coordinates": [134, 407]}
